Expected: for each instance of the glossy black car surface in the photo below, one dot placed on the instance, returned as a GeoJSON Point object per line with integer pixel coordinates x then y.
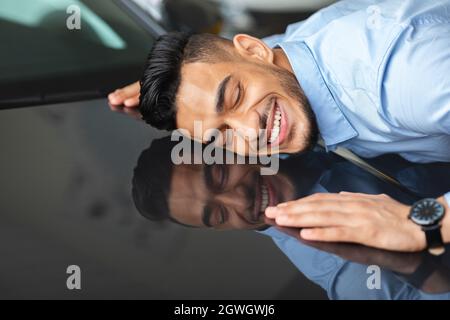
{"type": "Point", "coordinates": [66, 170]}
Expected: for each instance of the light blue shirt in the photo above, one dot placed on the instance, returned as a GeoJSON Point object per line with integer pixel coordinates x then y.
{"type": "Point", "coordinates": [377, 75]}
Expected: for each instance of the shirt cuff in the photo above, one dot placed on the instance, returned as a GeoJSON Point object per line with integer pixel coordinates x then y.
{"type": "Point", "coordinates": [447, 198]}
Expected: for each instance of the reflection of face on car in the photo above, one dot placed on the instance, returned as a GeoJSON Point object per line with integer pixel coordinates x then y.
{"type": "Point", "coordinates": [222, 196]}
{"type": "Point", "coordinates": [225, 196]}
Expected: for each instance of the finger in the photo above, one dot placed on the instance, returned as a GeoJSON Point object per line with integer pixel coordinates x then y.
{"type": "Point", "coordinates": [299, 207]}
{"type": "Point", "coordinates": [318, 201]}
{"type": "Point", "coordinates": [363, 195]}
{"type": "Point", "coordinates": [132, 102]}
{"type": "Point", "coordinates": [313, 219]}
{"type": "Point", "coordinates": [130, 90]}
{"type": "Point", "coordinates": [316, 197]}
{"type": "Point", "coordinates": [333, 234]}
{"type": "Point", "coordinates": [115, 98]}
{"type": "Point", "coordinates": [271, 212]}
{"type": "Point", "coordinates": [342, 205]}
{"type": "Point", "coordinates": [347, 193]}
{"type": "Point", "coordinates": [122, 94]}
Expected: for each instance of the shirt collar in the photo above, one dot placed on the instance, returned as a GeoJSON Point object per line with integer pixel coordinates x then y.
{"type": "Point", "coordinates": [333, 125]}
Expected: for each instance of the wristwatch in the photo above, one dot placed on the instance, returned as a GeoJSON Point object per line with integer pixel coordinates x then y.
{"type": "Point", "coordinates": [428, 213]}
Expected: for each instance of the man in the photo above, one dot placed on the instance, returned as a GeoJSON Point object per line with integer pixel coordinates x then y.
{"type": "Point", "coordinates": [371, 76]}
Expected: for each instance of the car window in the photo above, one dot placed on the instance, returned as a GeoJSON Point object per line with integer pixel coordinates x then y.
{"type": "Point", "coordinates": [45, 57]}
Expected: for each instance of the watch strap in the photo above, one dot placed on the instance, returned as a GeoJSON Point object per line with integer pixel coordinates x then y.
{"type": "Point", "coordinates": [430, 263]}
{"type": "Point", "coordinates": [435, 243]}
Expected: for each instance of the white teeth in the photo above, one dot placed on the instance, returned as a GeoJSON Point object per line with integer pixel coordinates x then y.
{"type": "Point", "coordinates": [276, 126]}
{"type": "Point", "coordinates": [264, 198]}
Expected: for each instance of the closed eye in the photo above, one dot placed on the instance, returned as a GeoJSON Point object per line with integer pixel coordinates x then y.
{"type": "Point", "coordinates": [238, 95]}
{"type": "Point", "coordinates": [222, 215]}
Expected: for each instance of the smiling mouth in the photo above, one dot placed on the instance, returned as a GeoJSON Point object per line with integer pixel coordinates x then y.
{"type": "Point", "coordinates": [265, 196]}
{"type": "Point", "coordinates": [276, 125]}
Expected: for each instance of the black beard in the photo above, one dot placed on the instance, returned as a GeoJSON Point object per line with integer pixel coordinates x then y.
{"type": "Point", "coordinates": [289, 83]}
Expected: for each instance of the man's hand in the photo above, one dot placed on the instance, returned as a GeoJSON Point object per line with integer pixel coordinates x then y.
{"type": "Point", "coordinates": [127, 96]}
{"type": "Point", "coordinates": [373, 220]}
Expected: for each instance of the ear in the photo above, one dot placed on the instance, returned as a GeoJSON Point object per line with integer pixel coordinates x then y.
{"type": "Point", "coordinates": [250, 47]}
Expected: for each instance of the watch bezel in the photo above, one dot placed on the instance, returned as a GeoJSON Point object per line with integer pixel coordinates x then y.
{"type": "Point", "coordinates": [428, 221]}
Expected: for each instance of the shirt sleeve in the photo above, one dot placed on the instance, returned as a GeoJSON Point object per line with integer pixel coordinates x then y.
{"type": "Point", "coordinates": [447, 198]}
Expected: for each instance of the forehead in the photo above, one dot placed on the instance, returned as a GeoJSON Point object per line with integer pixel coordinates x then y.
{"type": "Point", "coordinates": [196, 95]}
{"type": "Point", "coordinates": [188, 193]}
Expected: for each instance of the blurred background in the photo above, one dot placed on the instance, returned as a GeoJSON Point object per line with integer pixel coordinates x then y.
{"type": "Point", "coordinates": [228, 17]}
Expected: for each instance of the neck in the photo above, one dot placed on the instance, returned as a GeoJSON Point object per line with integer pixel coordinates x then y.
{"type": "Point", "coordinates": [281, 60]}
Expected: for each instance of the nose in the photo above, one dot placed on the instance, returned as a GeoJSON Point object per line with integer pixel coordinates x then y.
{"type": "Point", "coordinates": [239, 121]}
{"type": "Point", "coordinates": [245, 130]}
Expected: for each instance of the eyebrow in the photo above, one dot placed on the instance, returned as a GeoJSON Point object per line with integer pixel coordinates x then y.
{"type": "Point", "coordinates": [221, 94]}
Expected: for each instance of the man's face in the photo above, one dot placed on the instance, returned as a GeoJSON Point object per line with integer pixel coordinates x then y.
{"type": "Point", "coordinates": [245, 94]}
{"type": "Point", "coordinates": [225, 196]}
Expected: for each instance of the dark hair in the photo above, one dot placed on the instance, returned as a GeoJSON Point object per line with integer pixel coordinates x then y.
{"type": "Point", "coordinates": [151, 180]}
{"type": "Point", "coordinates": [162, 76]}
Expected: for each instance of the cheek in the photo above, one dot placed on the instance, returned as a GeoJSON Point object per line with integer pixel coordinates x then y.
{"type": "Point", "coordinates": [266, 81]}
{"type": "Point", "coordinates": [266, 77]}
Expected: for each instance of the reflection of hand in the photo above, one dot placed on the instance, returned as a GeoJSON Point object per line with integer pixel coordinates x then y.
{"type": "Point", "coordinates": [405, 263]}
{"type": "Point", "coordinates": [133, 112]}
{"type": "Point", "coordinates": [401, 262]}
{"type": "Point", "coordinates": [373, 220]}
{"type": "Point", "coordinates": [127, 96]}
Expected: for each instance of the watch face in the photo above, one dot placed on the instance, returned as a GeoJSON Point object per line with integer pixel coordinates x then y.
{"type": "Point", "coordinates": [426, 212]}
